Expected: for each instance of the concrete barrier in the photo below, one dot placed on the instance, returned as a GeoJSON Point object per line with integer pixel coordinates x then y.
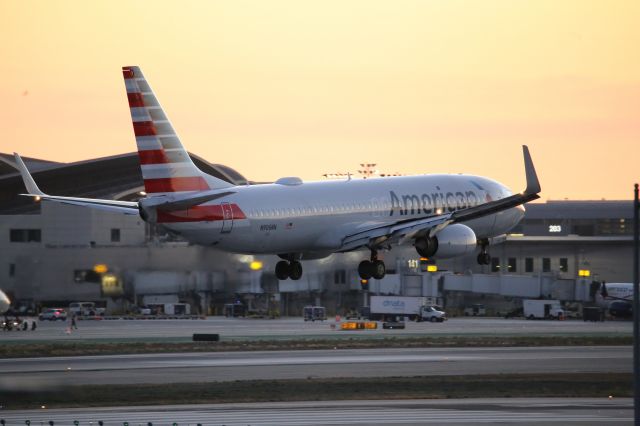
{"type": "Point", "coordinates": [206, 337]}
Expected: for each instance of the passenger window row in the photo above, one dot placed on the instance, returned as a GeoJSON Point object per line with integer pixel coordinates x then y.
{"type": "Point", "coordinates": [322, 209]}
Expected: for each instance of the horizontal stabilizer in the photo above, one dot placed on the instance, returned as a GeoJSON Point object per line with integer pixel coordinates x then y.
{"type": "Point", "coordinates": [29, 183]}
{"type": "Point", "coordinates": [126, 207]}
{"type": "Point", "coordinates": [182, 203]}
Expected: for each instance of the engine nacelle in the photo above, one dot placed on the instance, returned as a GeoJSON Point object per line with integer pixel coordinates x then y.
{"type": "Point", "coordinates": [453, 241]}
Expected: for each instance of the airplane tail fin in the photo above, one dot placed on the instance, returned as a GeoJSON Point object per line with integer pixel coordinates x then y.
{"type": "Point", "coordinates": [166, 165]}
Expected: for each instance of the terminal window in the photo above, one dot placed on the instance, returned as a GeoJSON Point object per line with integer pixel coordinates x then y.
{"type": "Point", "coordinates": [340, 277]}
{"type": "Point", "coordinates": [528, 264]}
{"type": "Point", "coordinates": [12, 269]}
{"type": "Point", "coordinates": [115, 235]}
{"type": "Point", "coordinates": [512, 264]}
{"type": "Point", "coordinates": [495, 264]}
{"type": "Point", "coordinates": [564, 264]}
{"type": "Point", "coordinates": [25, 235]}
{"type": "Point", "coordinates": [546, 264]}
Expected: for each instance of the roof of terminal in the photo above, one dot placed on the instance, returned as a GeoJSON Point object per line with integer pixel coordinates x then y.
{"type": "Point", "coordinates": [105, 177]}
{"type": "Point", "coordinates": [108, 177]}
{"type": "Point", "coordinates": [568, 209]}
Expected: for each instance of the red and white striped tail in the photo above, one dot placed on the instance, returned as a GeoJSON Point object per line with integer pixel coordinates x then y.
{"type": "Point", "coordinates": [166, 165]}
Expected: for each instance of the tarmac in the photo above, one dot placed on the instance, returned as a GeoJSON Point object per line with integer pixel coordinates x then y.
{"type": "Point", "coordinates": [37, 373]}
{"type": "Point", "coordinates": [53, 372]}
{"type": "Point", "coordinates": [516, 411]}
{"type": "Point", "coordinates": [296, 328]}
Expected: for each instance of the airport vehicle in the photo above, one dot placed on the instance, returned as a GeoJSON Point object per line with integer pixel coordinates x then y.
{"type": "Point", "coordinates": [415, 308]}
{"type": "Point", "coordinates": [5, 303]}
{"type": "Point", "coordinates": [85, 309]}
{"type": "Point", "coordinates": [53, 314]}
{"type": "Point", "coordinates": [592, 313]}
{"type": "Point", "coordinates": [475, 311]}
{"type": "Point", "coordinates": [235, 310]}
{"type": "Point", "coordinates": [617, 298]}
{"type": "Point", "coordinates": [177, 309]}
{"type": "Point", "coordinates": [314, 313]}
{"type": "Point", "coordinates": [144, 310]}
{"type": "Point", "coordinates": [542, 309]}
{"type": "Point", "coordinates": [441, 215]}
{"type": "Point", "coordinates": [393, 325]}
{"type": "Point", "coordinates": [514, 313]}
{"type": "Point", "coordinates": [12, 323]}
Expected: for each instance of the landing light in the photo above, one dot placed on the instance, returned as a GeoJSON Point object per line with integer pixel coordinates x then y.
{"type": "Point", "coordinates": [37, 198]}
{"type": "Point", "coordinates": [256, 265]}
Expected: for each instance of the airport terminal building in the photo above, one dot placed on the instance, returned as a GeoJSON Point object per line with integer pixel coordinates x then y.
{"type": "Point", "coordinates": [54, 254]}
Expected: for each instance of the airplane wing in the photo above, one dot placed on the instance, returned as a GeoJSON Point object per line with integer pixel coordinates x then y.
{"type": "Point", "coordinates": [404, 230]}
{"type": "Point", "coordinates": [126, 207]}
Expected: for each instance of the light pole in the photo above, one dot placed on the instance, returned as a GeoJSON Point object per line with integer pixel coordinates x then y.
{"type": "Point", "coordinates": [636, 306]}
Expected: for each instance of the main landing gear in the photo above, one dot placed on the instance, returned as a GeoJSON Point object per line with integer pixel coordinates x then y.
{"type": "Point", "coordinates": [484, 258]}
{"type": "Point", "coordinates": [373, 268]}
{"type": "Point", "coordinates": [289, 269]}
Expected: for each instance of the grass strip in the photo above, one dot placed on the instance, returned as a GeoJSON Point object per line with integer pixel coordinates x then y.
{"type": "Point", "coordinates": [424, 387]}
{"type": "Point", "coordinates": [78, 348]}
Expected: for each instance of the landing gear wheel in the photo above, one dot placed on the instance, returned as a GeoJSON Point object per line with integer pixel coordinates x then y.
{"type": "Point", "coordinates": [364, 269]}
{"type": "Point", "coordinates": [295, 270]}
{"type": "Point", "coordinates": [378, 270]}
{"type": "Point", "coordinates": [282, 270]}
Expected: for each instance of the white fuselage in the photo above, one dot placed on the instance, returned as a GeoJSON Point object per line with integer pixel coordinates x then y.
{"type": "Point", "coordinates": [314, 217]}
{"type": "Point", "coordinates": [615, 292]}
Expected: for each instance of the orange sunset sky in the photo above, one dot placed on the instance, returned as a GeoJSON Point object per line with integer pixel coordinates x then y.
{"type": "Point", "coordinates": [302, 88]}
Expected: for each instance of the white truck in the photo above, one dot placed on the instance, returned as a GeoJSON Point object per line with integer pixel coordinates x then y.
{"type": "Point", "coordinates": [85, 309]}
{"type": "Point", "coordinates": [415, 308]}
{"type": "Point", "coordinates": [542, 309]}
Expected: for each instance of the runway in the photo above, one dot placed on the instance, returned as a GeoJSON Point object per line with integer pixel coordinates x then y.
{"type": "Point", "coordinates": [296, 328]}
{"type": "Point", "coordinates": [39, 373]}
{"type": "Point", "coordinates": [516, 411]}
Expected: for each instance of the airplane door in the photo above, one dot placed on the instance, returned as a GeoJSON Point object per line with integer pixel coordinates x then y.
{"type": "Point", "coordinates": [227, 218]}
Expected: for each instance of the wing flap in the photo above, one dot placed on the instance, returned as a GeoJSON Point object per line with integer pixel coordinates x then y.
{"type": "Point", "coordinates": [393, 233]}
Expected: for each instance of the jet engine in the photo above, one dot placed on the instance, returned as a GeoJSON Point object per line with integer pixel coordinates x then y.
{"type": "Point", "coordinates": [453, 241]}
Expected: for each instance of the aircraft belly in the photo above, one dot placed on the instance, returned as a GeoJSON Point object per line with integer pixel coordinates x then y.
{"type": "Point", "coordinates": [270, 237]}
{"type": "Point", "coordinates": [205, 233]}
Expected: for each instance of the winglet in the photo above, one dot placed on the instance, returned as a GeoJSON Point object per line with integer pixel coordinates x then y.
{"type": "Point", "coordinates": [533, 185]}
{"type": "Point", "coordinates": [29, 183]}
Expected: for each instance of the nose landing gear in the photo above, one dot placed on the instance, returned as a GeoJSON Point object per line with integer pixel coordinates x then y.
{"type": "Point", "coordinates": [374, 268]}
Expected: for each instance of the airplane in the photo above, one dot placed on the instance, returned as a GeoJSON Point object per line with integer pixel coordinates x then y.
{"type": "Point", "coordinates": [5, 303]}
{"type": "Point", "coordinates": [616, 297]}
{"type": "Point", "coordinates": [441, 215]}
